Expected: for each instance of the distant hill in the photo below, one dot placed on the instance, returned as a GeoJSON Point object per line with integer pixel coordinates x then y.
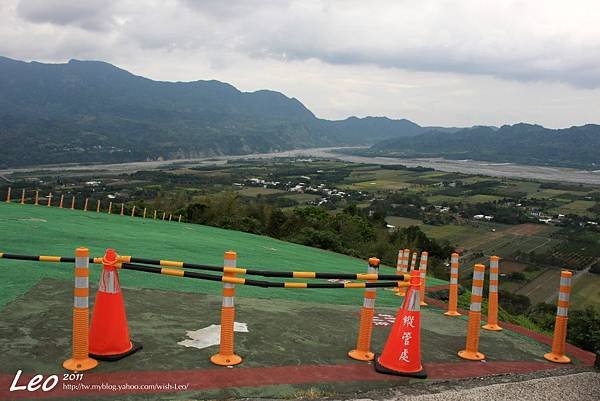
{"type": "Point", "coordinates": [89, 111]}
{"type": "Point", "coordinates": [519, 143]}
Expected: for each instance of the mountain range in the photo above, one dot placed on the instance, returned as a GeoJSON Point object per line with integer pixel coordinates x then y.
{"type": "Point", "coordinates": [520, 143]}
{"type": "Point", "coordinates": [92, 111]}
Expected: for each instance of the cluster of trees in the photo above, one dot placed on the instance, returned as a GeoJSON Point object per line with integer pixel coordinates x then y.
{"type": "Point", "coordinates": [352, 231]}
{"type": "Point", "coordinates": [583, 329]}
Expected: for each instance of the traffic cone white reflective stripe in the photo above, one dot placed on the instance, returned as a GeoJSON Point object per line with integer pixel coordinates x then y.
{"type": "Point", "coordinates": [560, 326]}
{"type": "Point", "coordinates": [109, 282]}
{"type": "Point", "coordinates": [492, 316]}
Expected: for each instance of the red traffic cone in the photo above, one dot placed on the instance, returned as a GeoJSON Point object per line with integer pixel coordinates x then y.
{"type": "Point", "coordinates": [402, 352]}
{"type": "Point", "coordinates": [109, 333]}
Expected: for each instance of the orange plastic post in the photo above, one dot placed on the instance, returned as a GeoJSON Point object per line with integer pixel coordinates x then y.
{"type": "Point", "coordinates": [85, 205]}
{"type": "Point", "coordinates": [471, 351]}
{"type": "Point", "coordinates": [492, 315]}
{"type": "Point", "coordinates": [23, 197]}
{"type": "Point", "coordinates": [8, 195]}
{"type": "Point", "coordinates": [122, 209]}
{"type": "Point", "coordinates": [413, 262]}
{"type": "Point", "coordinates": [404, 270]}
{"type": "Point", "coordinates": [50, 199]}
{"type": "Point", "coordinates": [179, 221]}
{"type": "Point", "coordinates": [133, 211]}
{"type": "Point", "coordinates": [560, 326]}
{"type": "Point", "coordinates": [73, 203]}
{"type": "Point", "coordinates": [62, 198]}
{"type": "Point", "coordinates": [399, 267]}
{"type": "Point", "coordinates": [37, 196]}
{"type": "Point", "coordinates": [163, 217]}
{"type": "Point", "coordinates": [362, 352]}
{"type": "Point", "coordinates": [226, 355]}
{"type": "Point", "coordinates": [110, 207]}
{"type": "Point", "coordinates": [154, 215]}
{"type": "Point", "coordinates": [80, 360]}
{"type": "Point", "coordinates": [453, 291]}
{"type": "Point", "coordinates": [98, 206]}
{"type": "Point", "coordinates": [423, 274]}
{"type": "Point", "coordinates": [144, 213]}
{"type": "Point", "coordinates": [170, 216]}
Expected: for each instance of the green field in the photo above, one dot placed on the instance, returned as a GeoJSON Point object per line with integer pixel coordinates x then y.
{"type": "Point", "coordinates": [38, 230]}
{"type": "Point", "coordinates": [586, 291]}
{"type": "Point", "coordinates": [255, 191]}
{"type": "Point", "coordinates": [579, 207]}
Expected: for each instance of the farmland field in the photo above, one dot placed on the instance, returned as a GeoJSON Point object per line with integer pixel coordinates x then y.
{"type": "Point", "coordinates": [586, 290]}
{"type": "Point", "coordinates": [255, 191]}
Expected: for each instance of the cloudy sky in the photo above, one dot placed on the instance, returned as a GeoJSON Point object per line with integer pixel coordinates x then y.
{"type": "Point", "coordinates": [436, 62]}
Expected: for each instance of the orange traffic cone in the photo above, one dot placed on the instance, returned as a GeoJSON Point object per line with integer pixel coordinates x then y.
{"type": "Point", "coordinates": [402, 352]}
{"type": "Point", "coordinates": [109, 333]}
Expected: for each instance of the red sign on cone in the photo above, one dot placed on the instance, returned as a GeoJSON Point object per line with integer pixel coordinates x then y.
{"type": "Point", "coordinates": [109, 332]}
{"type": "Point", "coordinates": [402, 352]}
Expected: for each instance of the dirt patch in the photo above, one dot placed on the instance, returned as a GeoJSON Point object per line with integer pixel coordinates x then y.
{"type": "Point", "coordinates": [527, 229]}
{"type": "Point", "coordinates": [510, 267]}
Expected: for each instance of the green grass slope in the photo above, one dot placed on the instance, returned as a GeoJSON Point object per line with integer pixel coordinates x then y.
{"type": "Point", "coordinates": [35, 230]}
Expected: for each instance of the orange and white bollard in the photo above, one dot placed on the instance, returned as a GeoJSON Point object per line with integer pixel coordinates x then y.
{"type": "Point", "coordinates": [133, 211]}
{"type": "Point", "coordinates": [80, 360]}
{"type": "Point", "coordinates": [98, 206]}
{"type": "Point", "coordinates": [122, 209]}
{"type": "Point", "coordinates": [50, 199]}
{"type": "Point", "coordinates": [403, 270]}
{"type": "Point", "coordinates": [163, 217]}
{"type": "Point", "coordinates": [85, 205]}
{"type": "Point", "coordinates": [144, 213]}
{"type": "Point", "coordinates": [73, 203]}
{"type": "Point", "coordinates": [492, 315]}
{"type": "Point", "coordinates": [170, 215]}
{"type": "Point", "coordinates": [226, 355]}
{"type": "Point", "coordinates": [154, 218]}
{"type": "Point", "coordinates": [8, 195]}
{"type": "Point", "coordinates": [179, 221]}
{"type": "Point", "coordinates": [471, 351]}
{"type": "Point", "coordinates": [560, 326]}
{"type": "Point", "coordinates": [413, 262]}
{"type": "Point", "coordinates": [362, 352]}
{"type": "Point", "coordinates": [110, 207]}
{"type": "Point", "coordinates": [23, 197]}
{"type": "Point", "coordinates": [453, 291]}
{"type": "Point", "coordinates": [37, 197]}
{"type": "Point", "coordinates": [62, 198]}
{"type": "Point", "coordinates": [423, 274]}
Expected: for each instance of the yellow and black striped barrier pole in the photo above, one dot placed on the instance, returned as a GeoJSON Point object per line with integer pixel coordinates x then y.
{"type": "Point", "coordinates": [167, 269]}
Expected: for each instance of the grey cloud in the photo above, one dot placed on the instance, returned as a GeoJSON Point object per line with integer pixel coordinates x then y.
{"type": "Point", "coordinates": [93, 15]}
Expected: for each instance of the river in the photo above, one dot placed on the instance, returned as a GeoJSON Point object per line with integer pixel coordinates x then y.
{"type": "Point", "coordinates": [509, 170]}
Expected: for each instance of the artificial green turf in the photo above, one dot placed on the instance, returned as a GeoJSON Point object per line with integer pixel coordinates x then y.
{"type": "Point", "coordinates": [35, 230]}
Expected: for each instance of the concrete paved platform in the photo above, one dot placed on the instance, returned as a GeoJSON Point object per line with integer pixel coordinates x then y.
{"type": "Point", "coordinates": [292, 349]}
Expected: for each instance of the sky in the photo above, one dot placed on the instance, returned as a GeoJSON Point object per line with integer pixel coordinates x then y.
{"type": "Point", "coordinates": [435, 62]}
